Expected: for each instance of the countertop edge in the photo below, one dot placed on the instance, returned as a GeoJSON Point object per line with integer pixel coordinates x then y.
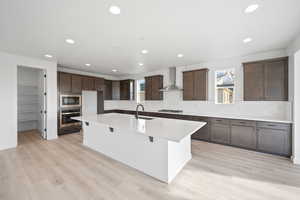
{"type": "Point", "coordinates": [82, 119]}
{"type": "Point", "coordinates": [193, 115]}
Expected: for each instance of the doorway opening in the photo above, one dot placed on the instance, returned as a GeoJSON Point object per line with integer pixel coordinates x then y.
{"type": "Point", "coordinates": [32, 111]}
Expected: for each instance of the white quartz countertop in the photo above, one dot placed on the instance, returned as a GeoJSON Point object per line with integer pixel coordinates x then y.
{"type": "Point", "coordinates": [169, 129]}
{"type": "Point", "coordinates": [226, 116]}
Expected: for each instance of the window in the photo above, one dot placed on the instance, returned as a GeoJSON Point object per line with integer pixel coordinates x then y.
{"type": "Point", "coordinates": [225, 86]}
{"type": "Point", "coordinates": [140, 90]}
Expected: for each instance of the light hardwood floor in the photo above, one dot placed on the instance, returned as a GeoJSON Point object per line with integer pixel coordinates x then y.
{"type": "Point", "coordinates": [63, 169]}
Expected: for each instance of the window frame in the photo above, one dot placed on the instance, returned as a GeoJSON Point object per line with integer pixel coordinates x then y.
{"type": "Point", "coordinates": [216, 86]}
{"type": "Point", "coordinates": [138, 91]}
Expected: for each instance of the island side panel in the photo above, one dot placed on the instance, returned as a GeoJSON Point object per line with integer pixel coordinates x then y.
{"type": "Point", "coordinates": [132, 149]}
{"type": "Point", "coordinates": [178, 156]}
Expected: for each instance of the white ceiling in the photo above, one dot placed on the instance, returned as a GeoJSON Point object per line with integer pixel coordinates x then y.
{"type": "Point", "coordinates": [200, 29]}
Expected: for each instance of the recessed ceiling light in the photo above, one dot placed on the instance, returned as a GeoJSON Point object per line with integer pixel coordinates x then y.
{"type": "Point", "coordinates": [180, 55]}
{"type": "Point", "coordinates": [87, 64]}
{"type": "Point", "coordinates": [247, 40]}
{"type": "Point", "coordinates": [145, 51]}
{"type": "Point", "coordinates": [70, 41]}
{"type": "Point", "coordinates": [251, 8]}
{"type": "Point", "coordinates": [48, 56]}
{"type": "Point", "coordinates": [114, 70]}
{"type": "Point", "coordinates": [141, 64]}
{"type": "Point", "coordinates": [115, 10]}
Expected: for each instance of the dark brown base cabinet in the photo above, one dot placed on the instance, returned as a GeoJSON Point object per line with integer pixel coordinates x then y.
{"type": "Point", "coordinates": [267, 137]}
{"type": "Point", "coordinates": [274, 138]}
{"type": "Point", "coordinates": [220, 131]}
{"type": "Point", "coordinates": [243, 134]}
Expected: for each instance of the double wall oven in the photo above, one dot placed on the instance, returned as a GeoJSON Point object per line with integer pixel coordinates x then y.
{"type": "Point", "coordinates": [70, 106]}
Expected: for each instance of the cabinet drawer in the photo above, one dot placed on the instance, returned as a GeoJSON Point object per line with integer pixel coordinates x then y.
{"type": "Point", "coordinates": [273, 125]}
{"type": "Point", "coordinates": [220, 121]}
{"type": "Point", "coordinates": [243, 123]}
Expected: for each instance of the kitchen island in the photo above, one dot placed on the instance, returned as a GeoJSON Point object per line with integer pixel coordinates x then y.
{"type": "Point", "coordinates": [158, 147]}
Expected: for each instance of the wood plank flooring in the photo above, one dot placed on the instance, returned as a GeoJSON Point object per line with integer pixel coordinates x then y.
{"type": "Point", "coordinates": [63, 169]}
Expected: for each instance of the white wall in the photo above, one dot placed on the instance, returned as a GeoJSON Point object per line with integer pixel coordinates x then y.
{"type": "Point", "coordinates": [294, 63]}
{"type": "Point", "coordinates": [296, 136]}
{"type": "Point", "coordinates": [8, 88]}
{"type": "Point", "coordinates": [173, 100]}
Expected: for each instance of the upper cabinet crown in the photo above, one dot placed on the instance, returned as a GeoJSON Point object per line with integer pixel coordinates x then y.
{"type": "Point", "coordinates": [195, 85]}
{"type": "Point", "coordinates": [266, 80]}
{"type": "Point", "coordinates": [153, 86]}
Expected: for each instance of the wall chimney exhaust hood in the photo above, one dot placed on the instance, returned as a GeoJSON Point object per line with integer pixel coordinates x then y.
{"type": "Point", "coordinates": [172, 81]}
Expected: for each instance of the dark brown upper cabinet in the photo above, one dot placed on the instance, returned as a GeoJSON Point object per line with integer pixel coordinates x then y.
{"type": "Point", "coordinates": [195, 85]}
{"type": "Point", "coordinates": [65, 83]}
{"type": "Point", "coordinates": [88, 83]}
{"type": "Point", "coordinates": [99, 84]}
{"type": "Point", "coordinates": [76, 84]}
{"type": "Point", "coordinates": [254, 82]}
{"type": "Point", "coordinates": [127, 90]}
{"type": "Point", "coordinates": [108, 90]}
{"type": "Point", "coordinates": [266, 80]}
{"type": "Point", "coordinates": [153, 85]}
{"type": "Point", "coordinates": [148, 88]}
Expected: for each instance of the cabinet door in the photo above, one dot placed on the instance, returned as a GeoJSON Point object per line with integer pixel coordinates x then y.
{"type": "Point", "coordinates": [254, 82]}
{"type": "Point", "coordinates": [148, 88]}
{"type": "Point", "coordinates": [99, 84]}
{"type": "Point", "coordinates": [243, 136]}
{"type": "Point", "coordinates": [203, 133]}
{"type": "Point", "coordinates": [220, 133]}
{"type": "Point", "coordinates": [157, 84]}
{"type": "Point", "coordinates": [276, 81]}
{"type": "Point", "coordinates": [125, 90]}
{"type": "Point", "coordinates": [65, 83]}
{"type": "Point", "coordinates": [108, 90]}
{"type": "Point", "coordinates": [200, 85]}
{"type": "Point", "coordinates": [76, 84]}
{"type": "Point", "coordinates": [188, 85]}
{"type": "Point", "coordinates": [274, 141]}
{"type": "Point", "coordinates": [88, 83]}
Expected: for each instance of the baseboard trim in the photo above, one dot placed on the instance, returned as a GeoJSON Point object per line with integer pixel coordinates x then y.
{"type": "Point", "coordinates": [295, 160]}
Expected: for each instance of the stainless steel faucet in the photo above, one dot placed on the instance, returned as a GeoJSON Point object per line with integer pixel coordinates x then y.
{"type": "Point", "coordinates": [137, 110]}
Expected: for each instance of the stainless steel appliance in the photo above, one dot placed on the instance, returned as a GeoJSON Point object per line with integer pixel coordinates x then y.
{"type": "Point", "coordinates": [67, 114]}
{"type": "Point", "coordinates": [67, 101]}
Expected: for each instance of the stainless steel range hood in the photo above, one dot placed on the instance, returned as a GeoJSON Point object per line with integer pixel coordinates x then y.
{"type": "Point", "coordinates": [172, 81]}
